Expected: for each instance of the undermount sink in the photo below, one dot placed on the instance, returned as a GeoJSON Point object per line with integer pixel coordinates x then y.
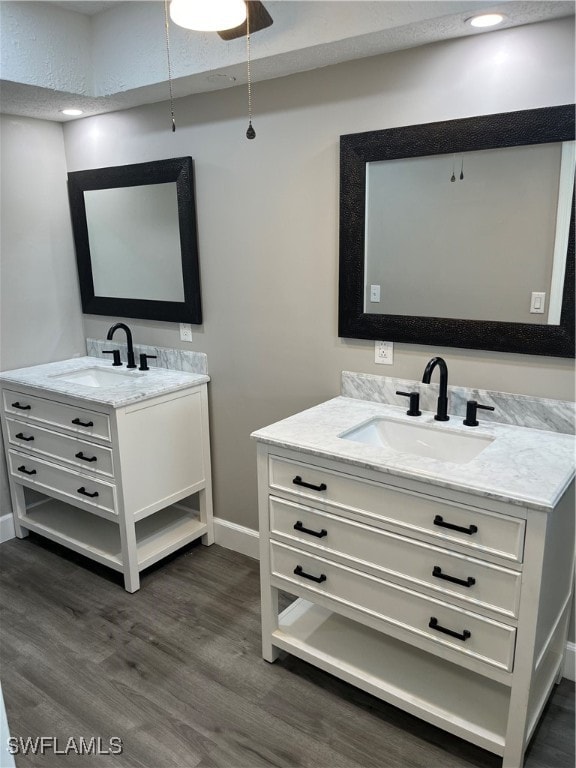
{"type": "Point", "coordinates": [97, 377]}
{"type": "Point", "coordinates": [420, 439]}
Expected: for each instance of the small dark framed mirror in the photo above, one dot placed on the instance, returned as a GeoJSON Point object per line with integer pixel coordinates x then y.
{"type": "Point", "coordinates": [461, 233]}
{"type": "Point", "coordinates": [136, 241]}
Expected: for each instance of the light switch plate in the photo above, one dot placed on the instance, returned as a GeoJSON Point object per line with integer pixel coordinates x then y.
{"type": "Point", "coordinates": [374, 293]}
{"type": "Point", "coordinates": [384, 352]}
{"type": "Point", "coordinates": [537, 302]}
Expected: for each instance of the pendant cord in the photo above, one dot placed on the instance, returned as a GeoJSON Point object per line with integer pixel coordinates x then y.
{"type": "Point", "coordinates": [250, 133]}
{"type": "Point", "coordinates": [167, 29]}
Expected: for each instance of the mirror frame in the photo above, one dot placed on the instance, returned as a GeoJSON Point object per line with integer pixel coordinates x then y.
{"type": "Point", "coordinates": [177, 169]}
{"type": "Point", "coordinates": [533, 126]}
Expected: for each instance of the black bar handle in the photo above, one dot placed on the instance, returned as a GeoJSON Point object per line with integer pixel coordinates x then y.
{"type": "Point", "coordinates": [318, 579]}
{"type": "Point", "coordinates": [20, 436]}
{"type": "Point", "coordinates": [439, 520]}
{"type": "Point", "coordinates": [298, 481]}
{"type": "Point", "coordinates": [83, 423]}
{"type": "Point", "coordinates": [433, 624]}
{"type": "Point", "coordinates": [319, 534]}
{"type": "Point", "coordinates": [26, 471]}
{"type": "Point", "coordinates": [437, 572]}
{"type": "Point", "coordinates": [85, 458]}
{"type": "Point", "coordinates": [21, 407]}
{"type": "Point", "coordinates": [84, 492]}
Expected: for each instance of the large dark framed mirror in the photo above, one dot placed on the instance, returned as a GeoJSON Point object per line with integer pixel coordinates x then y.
{"type": "Point", "coordinates": [136, 241]}
{"type": "Point", "coordinates": [461, 233]}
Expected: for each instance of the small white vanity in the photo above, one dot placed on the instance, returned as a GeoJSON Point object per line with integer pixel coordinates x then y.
{"type": "Point", "coordinates": [112, 463]}
{"type": "Point", "coordinates": [441, 585]}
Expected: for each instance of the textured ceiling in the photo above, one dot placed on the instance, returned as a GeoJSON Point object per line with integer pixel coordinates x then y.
{"type": "Point", "coordinates": [105, 56]}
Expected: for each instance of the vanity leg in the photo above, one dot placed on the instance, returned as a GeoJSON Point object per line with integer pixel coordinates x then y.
{"type": "Point", "coordinates": [269, 622]}
{"type": "Point", "coordinates": [129, 555]}
{"type": "Point", "coordinates": [205, 501]}
{"type": "Point", "coordinates": [18, 509]}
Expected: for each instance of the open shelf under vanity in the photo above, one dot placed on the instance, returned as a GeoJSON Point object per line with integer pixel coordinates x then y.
{"type": "Point", "coordinates": [157, 535]}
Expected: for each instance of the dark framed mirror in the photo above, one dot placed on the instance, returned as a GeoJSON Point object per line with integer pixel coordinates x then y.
{"type": "Point", "coordinates": [136, 242]}
{"type": "Point", "coordinates": [461, 233]}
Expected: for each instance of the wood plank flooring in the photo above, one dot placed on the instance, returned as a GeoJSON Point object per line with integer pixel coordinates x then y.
{"type": "Point", "coordinates": [175, 672]}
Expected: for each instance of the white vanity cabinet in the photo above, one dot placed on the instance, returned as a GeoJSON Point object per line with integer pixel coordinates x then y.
{"type": "Point", "coordinates": [449, 605]}
{"type": "Point", "coordinates": [113, 483]}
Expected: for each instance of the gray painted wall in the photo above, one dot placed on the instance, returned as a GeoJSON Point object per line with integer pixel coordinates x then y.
{"type": "Point", "coordinates": [40, 313]}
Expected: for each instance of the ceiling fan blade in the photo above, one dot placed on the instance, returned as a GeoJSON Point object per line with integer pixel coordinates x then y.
{"type": "Point", "coordinates": [259, 19]}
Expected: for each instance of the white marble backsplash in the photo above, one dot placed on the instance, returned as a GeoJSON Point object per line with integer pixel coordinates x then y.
{"type": "Point", "coordinates": [518, 410]}
{"type": "Point", "coordinates": [174, 359]}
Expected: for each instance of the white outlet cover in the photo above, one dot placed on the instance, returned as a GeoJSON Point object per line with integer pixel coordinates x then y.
{"type": "Point", "coordinates": [384, 352]}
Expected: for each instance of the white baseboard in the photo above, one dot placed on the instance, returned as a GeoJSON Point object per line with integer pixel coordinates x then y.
{"type": "Point", "coordinates": [570, 662]}
{"type": "Point", "coordinates": [236, 537]}
{"type": "Point", "coordinates": [6, 527]}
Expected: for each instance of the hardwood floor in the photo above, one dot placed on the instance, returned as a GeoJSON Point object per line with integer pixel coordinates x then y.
{"type": "Point", "coordinates": [175, 672]}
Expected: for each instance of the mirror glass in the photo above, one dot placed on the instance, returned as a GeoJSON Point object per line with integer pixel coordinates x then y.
{"type": "Point", "coordinates": [135, 237]}
{"type": "Point", "coordinates": [461, 233]}
{"type": "Point", "coordinates": [130, 257]}
{"type": "Point", "coordinates": [472, 234]}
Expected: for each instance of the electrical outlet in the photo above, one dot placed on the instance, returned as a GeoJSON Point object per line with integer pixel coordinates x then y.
{"type": "Point", "coordinates": [384, 352]}
{"type": "Point", "coordinates": [185, 332]}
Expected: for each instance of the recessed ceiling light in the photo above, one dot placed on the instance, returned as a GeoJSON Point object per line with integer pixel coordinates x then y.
{"type": "Point", "coordinates": [486, 20]}
{"type": "Point", "coordinates": [72, 112]}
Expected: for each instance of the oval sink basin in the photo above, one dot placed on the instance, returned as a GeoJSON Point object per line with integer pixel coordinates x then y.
{"type": "Point", "coordinates": [97, 377]}
{"type": "Point", "coordinates": [420, 439]}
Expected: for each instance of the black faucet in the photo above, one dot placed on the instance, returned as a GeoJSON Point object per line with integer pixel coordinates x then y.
{"type": "Point", "coordinates": [442, 411]}
{"type": "Point", "coordinates": [124, 327]}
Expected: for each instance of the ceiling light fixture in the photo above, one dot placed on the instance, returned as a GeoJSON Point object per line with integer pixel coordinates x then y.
{"type": "Point", "coordinates": [210, 16]}
{"type": "Point", "coordinates": [72, 112]}
{"type": "Point", "coordinates": [486, 20]}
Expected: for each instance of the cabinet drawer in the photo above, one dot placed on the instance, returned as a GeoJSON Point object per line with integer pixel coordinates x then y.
{"type": "Point", "coordinates": [81, 490]}
{"type": "Point", "coordinates": [465, 632]}
{"type": "Point", "coordinates": [76, 420]}
{"type": "Point", "coordinates": [55, 446]}
{"type": "Point", "coordinates": [412, 513]}
{"type": "Point", "coordinates": [396, 556]}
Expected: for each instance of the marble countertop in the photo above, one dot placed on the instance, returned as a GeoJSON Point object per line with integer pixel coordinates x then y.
{"type": "Point", "coordinates": [527, 467]}
{"type": "Point", "coordinates": [136, 386]}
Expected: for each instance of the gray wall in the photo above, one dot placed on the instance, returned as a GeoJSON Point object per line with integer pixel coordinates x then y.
{"type": "Point", "coordinates": [268, 224]}
{"type": "Point", "coordinates": [40, 313]}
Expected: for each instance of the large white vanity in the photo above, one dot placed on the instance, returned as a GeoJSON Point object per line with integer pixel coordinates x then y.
{"type": "Point", "coordinates": [441, 585]}
{"type": "Point", "coordinates": [112, 463]}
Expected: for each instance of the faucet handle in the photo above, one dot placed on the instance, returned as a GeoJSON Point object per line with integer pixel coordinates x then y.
{"type": "Point", "coordinates": [471, 408]}
{"type": "Point", "coordinates": [115, 353]}
{"type": "Point", "coordinates": [414, 409]}
{"type": "Point", "coordinates": [144, 361]}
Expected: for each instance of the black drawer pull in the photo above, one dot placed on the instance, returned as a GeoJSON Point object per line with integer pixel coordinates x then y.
{"type": "Point", "coordinates": [437, 572]}
{"type": "Point", "coordinates": [20, 436]}
{"type": "Point", "coordinates": [318, 579]}
{"type": "Point", "coordinates": [298, 481]}
{"type": "Point", "coordinates": [439, 520]}
{"type": "Point", "coordinates": [84, 492]}
{"type": "Point", "coordinates": [83, 423]}
{"type": "Point", "coordinates": [21, 407]}
{"type": "Point", "coordinates": [26, 471]}
{"type": "Point", "coordinates": [319, 534]}
{"type": "Point", "coordinates": [433, 624]}
{"type": "Point", "coordinates": [85, 458]}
